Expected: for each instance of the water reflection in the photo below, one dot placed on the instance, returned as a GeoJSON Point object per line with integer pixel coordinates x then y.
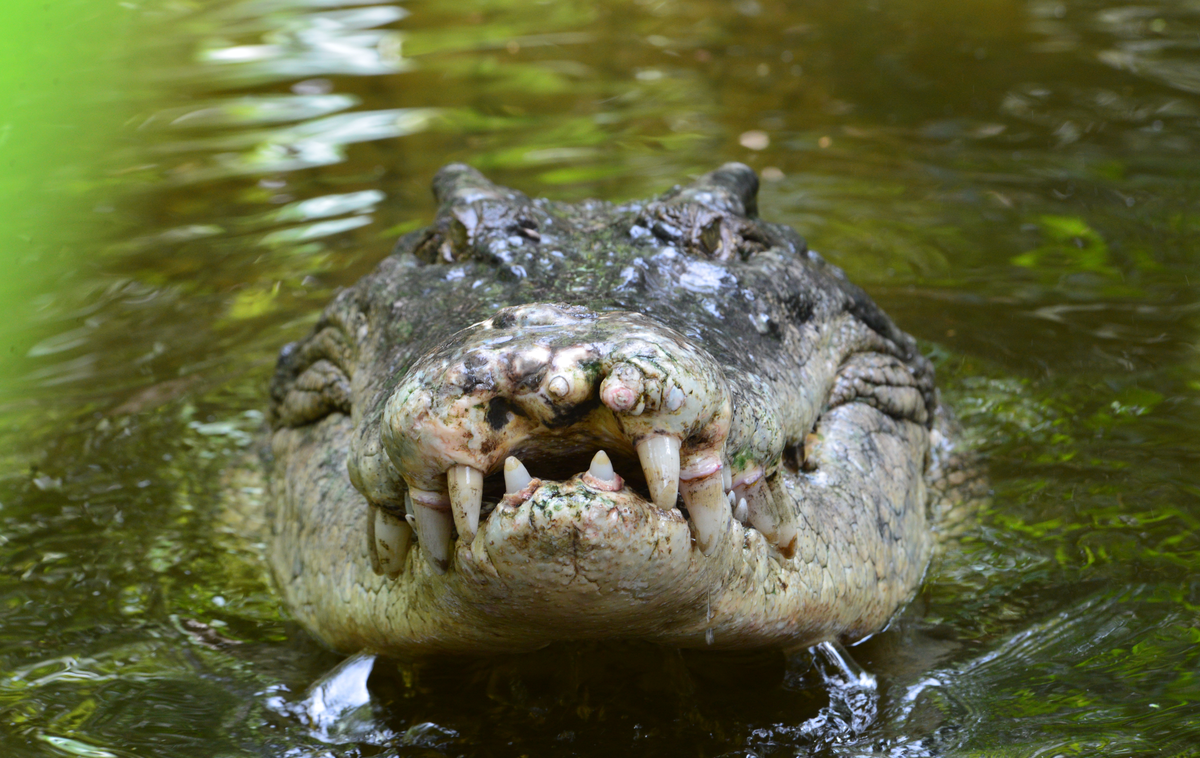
{"type": "Point", "coordinates": [1154, 42]}
{"type": "Point", "coordinates": [318, 142]}
{"type": "Point", "coordinates": [256, 110]}
{"type": "Point", "coordinates": [297, 42]}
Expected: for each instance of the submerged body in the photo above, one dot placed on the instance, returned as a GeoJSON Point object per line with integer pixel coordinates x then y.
{"type": "Point", "coordinates": [664, 420]}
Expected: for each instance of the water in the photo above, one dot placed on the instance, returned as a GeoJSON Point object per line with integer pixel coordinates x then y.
{"type": "Point", "coordinates": [1015, 182]}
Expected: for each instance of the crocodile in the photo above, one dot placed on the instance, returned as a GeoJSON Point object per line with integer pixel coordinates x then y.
{"type": "Point", "coordinates": [663, 420]}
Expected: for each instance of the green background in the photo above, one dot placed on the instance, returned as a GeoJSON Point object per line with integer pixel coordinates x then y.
{"type": "Point", "coordinates": [59, 70]}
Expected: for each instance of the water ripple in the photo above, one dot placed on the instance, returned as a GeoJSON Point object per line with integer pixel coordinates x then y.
{"type": "Point", "coordinates": [303, 45]}
{"type": "Point", "coordinates": [304, 145]}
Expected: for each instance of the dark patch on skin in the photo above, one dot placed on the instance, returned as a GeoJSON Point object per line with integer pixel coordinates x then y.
{"type": "Point", "coordinates": [885, 530]}
{"type": "Point", "coordinates": [591, 369]}
{"type": "Point", "coordinates": [565, 416]}
{"type": "Point", "coordinates": [665, 232]}
{"type": "Point", "coordinates": [798, 307]}
{"type": "Point", "coordinates": [497, 414]}
{"type": "Point", "coordinates": [472, 381]}
{"type": "Point", "coordinates": [506, 319]}
{"type": "Point", "coordinates": [475, 375]}
{"type": "Point", "coordinates": [527, 373]}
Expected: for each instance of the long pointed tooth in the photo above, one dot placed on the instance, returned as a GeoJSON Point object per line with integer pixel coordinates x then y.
{"type": "Point", "coordinates": [393, 538]}
{"type": "Point", "coordinates": [516, 476]}
{"type": "Point", "coordinates": [601, 467]}
{"type": "Point", "coordinates": [466, 497]}
{"type": "Point", "coordinates": [660, 462]}
{"type": "Point", "coordinates": [434, 531]}
{"type": "Point", "coordinates": [777, 525]}
{"type": "Point", "coordinates": [708, 511]}
{"type": "Point", "coordinates": [434, 525]}
{"type": "Point", "coordinates": [726, 477]}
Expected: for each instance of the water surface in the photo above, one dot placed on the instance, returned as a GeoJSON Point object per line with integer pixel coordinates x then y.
{"type": "Point", "coordinates": [1015, 182]}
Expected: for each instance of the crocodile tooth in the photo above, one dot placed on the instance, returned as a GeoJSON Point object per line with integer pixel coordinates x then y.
{"type": "Point", "coordinates": [601, 467]}
{"type": "Point", "coordinates": [659, 455]}
{"type": "Point", "coordinates": [466, 497]}
{"type": "Point", "coordinates": [776, 525]}
{"type": "Point", "coordinates": [434, 530]}
{"type": "Point", "coordinates": [434, 525]}
{"type": "Point", "coordinates": [708, 510]}
{"type": "Point", "coordinates": [516, 476]}
{"type": "Point", "coordinates": [742, 511]}
{"type": "Point", "coordinates": [601, 476]}
{"type": "Point", "coordinates": [727, 478]}
{"type": "Point", "coordinates": [393, 538]}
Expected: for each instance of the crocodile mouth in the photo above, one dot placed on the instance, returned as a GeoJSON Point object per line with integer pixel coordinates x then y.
{"type": "Point", "coordinates": [560, 408]}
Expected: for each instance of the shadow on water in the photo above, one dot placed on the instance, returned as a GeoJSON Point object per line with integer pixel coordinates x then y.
{"type": "Point", "coordinates": [592, 699]}
{"type": "Point", "coordinates": [1013, 181]}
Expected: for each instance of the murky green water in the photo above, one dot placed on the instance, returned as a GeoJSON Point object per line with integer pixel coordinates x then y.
{"type": "Point", "coordinates": [1017, 183]}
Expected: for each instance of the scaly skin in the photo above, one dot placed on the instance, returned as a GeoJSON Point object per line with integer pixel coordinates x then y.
{"type": "Point", "coordinates": [707, 352]}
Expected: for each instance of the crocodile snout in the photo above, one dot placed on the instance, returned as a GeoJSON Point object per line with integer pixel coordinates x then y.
{"type": "Point", "coordinates": [537, 385]}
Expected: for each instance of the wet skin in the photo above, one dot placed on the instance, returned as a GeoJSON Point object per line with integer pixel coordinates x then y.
{"type": "Point", "coordinates": [663, 420]}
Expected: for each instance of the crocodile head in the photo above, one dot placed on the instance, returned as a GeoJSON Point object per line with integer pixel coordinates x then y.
{"type": "Point", "coordinates": [663, 420]}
